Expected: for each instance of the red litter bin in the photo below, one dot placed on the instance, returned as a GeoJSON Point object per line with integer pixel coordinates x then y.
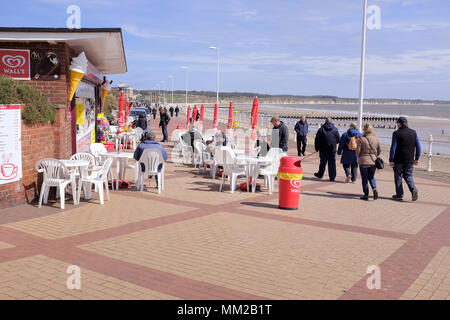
{"type": "Point", "coordinates": [290, 174]}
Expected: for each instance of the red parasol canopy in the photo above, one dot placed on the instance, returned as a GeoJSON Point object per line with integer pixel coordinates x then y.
{"type": "Point", "coordinates": [194, 114]}
{"type": "Point", "coordinates": [255, 112]}
{"type": "Point", "coordinates": [230, 116]}
{"type": "Point", "coordinates": [188, 112]}
{"type": "Point", "coordinates": [202, 113]}
{"type": "Point", "coordinates": [215, 116]}
{"type": "Point", "coordinates": [121, 109]}
{"type": "Point", "coordinates": [127, 111]}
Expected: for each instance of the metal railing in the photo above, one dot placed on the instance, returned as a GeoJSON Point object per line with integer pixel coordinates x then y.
{"type": "Point", "coordinates": [430, 154]}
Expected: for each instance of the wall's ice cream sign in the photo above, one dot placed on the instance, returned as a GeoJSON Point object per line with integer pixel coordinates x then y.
{"type": "Point", "coordinates": [78, 68]}
{"type": "Point", "coordinates": [15, 63]}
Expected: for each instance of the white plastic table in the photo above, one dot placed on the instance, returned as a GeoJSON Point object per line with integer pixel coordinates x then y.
{"type": "Point", "coordinates": [120, 158]}
{"type": "Point", "coordinates": [251, 167]}
{"type": "Point", "coordinates": [80, 165]}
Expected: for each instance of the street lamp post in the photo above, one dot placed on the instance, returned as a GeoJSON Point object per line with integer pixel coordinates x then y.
{"type": "Point", "coordinates": [363, 58]}
{"type": "Point", "coordinates": [187, 79]}
{"type": "Point", "coordinates": [218, 54]}
{"type": "Point", "coordinates": [171, 77]}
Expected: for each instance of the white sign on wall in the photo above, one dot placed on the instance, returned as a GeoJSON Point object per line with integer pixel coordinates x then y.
{"type": "Point", "coordinates": [10, 143]}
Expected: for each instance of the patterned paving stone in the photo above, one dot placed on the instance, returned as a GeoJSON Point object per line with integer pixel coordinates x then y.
{"type": "Point", "coordinates": [275, 259]}
{"type": "Point", "coordinates": [40, 277]}
{"type": "Point", "coordinates": [434, 282]}
{"type": "Point", "coordinates": [80, 220]}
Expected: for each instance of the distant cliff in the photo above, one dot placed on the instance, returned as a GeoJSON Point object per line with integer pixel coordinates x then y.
{"type": "Point", "coordinates": [247, 98]}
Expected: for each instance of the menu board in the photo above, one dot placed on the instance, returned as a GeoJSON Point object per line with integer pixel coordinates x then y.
{"type": "Point", "coordinates": [10, 144]}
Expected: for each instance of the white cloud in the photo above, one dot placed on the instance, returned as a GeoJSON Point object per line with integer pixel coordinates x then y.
{"type": "Point", "coordinates": [145, 33]}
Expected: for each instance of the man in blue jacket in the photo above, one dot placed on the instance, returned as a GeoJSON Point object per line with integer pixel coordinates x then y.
{"type": "Point", "coordinates": [327, 138]}
{"type": "Point", "coordinates": [149, 143]}
{"type": "Point", "coordinates": [301, 128]}
{"type": "Point", "coordinates": [349, 157]}
{"type": "Point", "coordinates": [405, 153]}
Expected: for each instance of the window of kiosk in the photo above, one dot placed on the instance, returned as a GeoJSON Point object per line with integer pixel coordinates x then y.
{"type": "Point", "coordinates": [85, 116]}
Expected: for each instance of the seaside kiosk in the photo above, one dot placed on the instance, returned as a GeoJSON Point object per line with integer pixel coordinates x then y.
{"type": "Point", "coordinates": [42, 58]}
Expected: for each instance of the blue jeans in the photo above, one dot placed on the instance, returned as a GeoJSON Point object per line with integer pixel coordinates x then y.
{"type": "Point", "coordinates": [405, 171]}
{"type": "Point", "coordinates": [164, 131]}
{"type": "Point", "coordinates": [330, 159]}
{"type": "Point", "coordinates": [368, 176]}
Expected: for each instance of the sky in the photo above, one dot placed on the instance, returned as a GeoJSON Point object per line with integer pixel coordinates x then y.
{"type": "Point", "coordinates": [300, 47]}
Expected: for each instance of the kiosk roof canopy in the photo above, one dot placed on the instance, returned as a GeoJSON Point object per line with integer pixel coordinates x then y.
{"type": "Point", "coordinates": [103, 46]}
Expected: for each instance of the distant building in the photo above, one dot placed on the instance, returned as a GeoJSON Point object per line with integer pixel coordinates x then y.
{"type": "Point", "coordinates": [128, 91]}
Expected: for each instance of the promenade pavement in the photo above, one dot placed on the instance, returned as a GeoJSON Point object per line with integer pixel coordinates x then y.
{"type": "Point", "coordinates": [194, 242]}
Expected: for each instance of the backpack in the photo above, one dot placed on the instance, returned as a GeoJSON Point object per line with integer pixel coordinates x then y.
{"type": "Point", "coordinates": [353, 143]}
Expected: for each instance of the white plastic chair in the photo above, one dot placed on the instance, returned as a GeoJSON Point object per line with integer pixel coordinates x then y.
{"type": "Point", "coordinates": [270, 171]}
{"type": "Point", "coordinates": [198, 154]}
{"type": "Point", "coordinates": [55, 174]}
{"type": "Point", "coordinates": [151, 159]}
{"type": "Point", "coordinates": [136, 136]}
{"type": "Point", "coordinates": [99, 179]}
{"type": "Point", "coordinates": [98, 149]}
{"type": "Point", "coordinates": [225, 158]}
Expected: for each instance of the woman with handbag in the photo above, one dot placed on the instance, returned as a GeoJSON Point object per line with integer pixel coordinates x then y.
{"type": "Point", "coordinates": [369, 149]}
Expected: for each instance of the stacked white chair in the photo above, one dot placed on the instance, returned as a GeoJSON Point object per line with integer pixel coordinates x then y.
{"type": "Point", "coordinates": [151, 159]}
{"type": "Point", "coordinates": [55, 174]}
{"type": "Point", "coordinates": [97, 149]}
{"type": "Point", "coordinates": [224, 157]}
{"type": "Point", "coordinates": [270, 171]}
{"type": "Point", "coordinates": [99, 179]}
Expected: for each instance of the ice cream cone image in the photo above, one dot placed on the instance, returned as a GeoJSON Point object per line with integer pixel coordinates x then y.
{"type": "Point", "coordinates": [78, 68]}
{"type": "Point", "coordinates": [105, 93]}
{"type": "Point", "coordinates": [75, 78]}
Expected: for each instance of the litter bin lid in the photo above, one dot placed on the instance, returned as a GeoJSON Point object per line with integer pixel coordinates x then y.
{"type": "Point", "coordinates": [290, 165]}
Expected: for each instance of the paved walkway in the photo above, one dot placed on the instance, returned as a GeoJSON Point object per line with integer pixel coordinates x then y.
{"type": "Point", "coordinates": [193, 242]}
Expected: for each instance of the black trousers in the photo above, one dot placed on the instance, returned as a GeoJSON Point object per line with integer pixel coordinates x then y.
{"type": "Point", "coordinates": [330, 159]}
{"type": "Point", "coordinates": [301, 144]}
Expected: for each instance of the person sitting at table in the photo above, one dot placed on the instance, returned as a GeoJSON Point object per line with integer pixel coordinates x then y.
{"type": "Point", "coordinates": [135, 122]}
{"type": "Point", "coordinates": [149, 143]}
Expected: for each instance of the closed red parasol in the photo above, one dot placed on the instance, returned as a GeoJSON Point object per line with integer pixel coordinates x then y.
{"type": "Point", "coordinates": [230, 116]}
{"type": "Point", "coordinates": [127, 112]}
{"type": "Point", "coordinates": [255, 113]}
{"type": "Point", "coordinates": [188, 112]}
{"type": "Point", "coordinates": [121, 112]}
{"type": "Point", "coordinates": [216, 110]}
{"type": "Point", "coordinates": [194, 114]}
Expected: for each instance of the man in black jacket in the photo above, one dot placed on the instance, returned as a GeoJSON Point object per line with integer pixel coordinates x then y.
{"type": "Point", "coordinates": [177, 110]}
{"type": "Point", "coordinates": [327, 138]}
{"type": "Point", "coordinates": [280, 134]}
{"type": "Point", "coordinates": [171, 112]}
{"type": "Point", "coordinates": [163, 124]}
{"type": "Point", "coordinates": [301, 128]}
{"type": "Point", "coordinates": [404, 155]}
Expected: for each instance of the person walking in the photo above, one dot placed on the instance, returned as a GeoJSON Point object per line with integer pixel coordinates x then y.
{"type": "Point", "coordinates": [369, 148]}
{"type": "Point", "coordinates": [164, 121]}
{"type": "Point", "coordinates": [301, 128]}
{"type": "Point", "coordinates": [177, 111]}
{"type": "Point", "coordinates": [347, 148]}
{"type": "Point", "coordinates": [280, 134]}
{"type": "Point", "coordinates": [404, 155]}
{"type": "Point", "coordinates": [327, 137]}
{"type": "Point", "coordinates": [154, 112]}
{"type": "Point", "coordinates": [171, 111]}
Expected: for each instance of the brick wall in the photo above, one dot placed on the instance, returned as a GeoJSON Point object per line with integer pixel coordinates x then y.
{"type": "Point", "coordinates": [43, 140]}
